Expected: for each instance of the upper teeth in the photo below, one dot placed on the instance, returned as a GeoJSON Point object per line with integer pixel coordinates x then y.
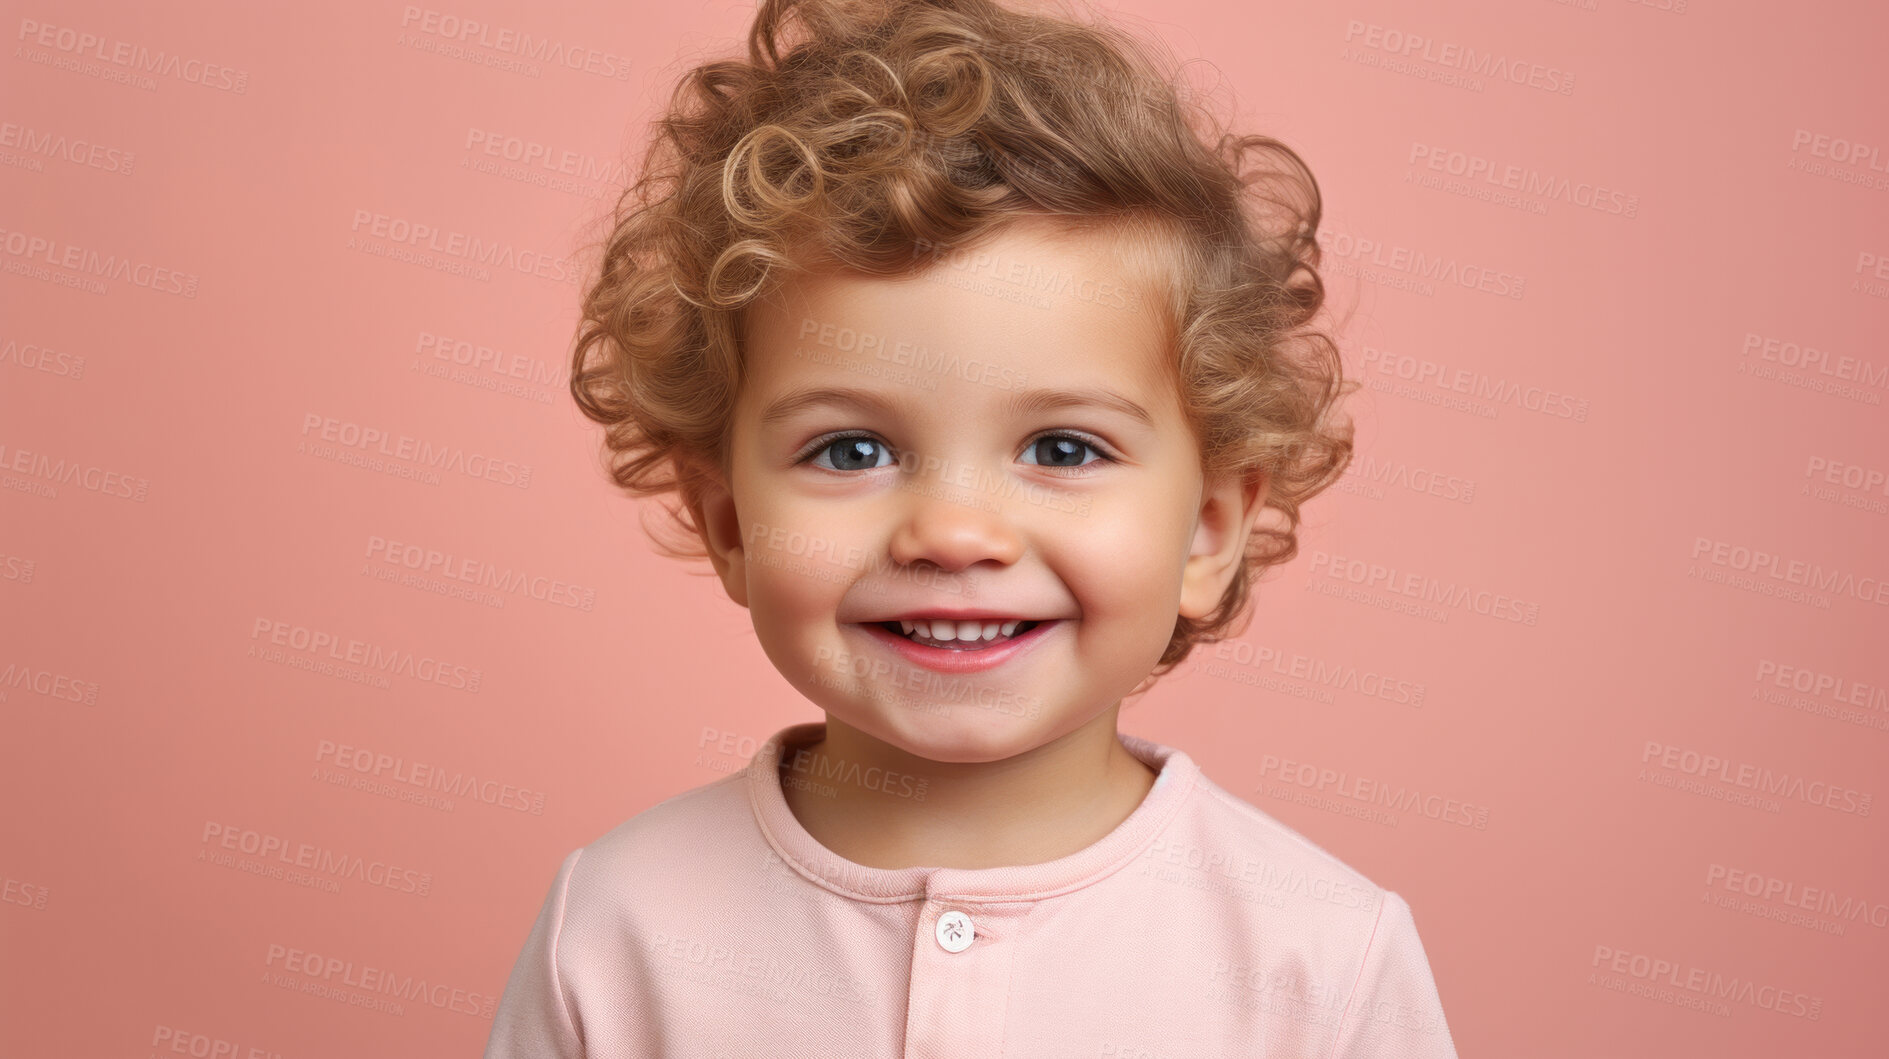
{"type": "Point", "coordinates": [941, 629]}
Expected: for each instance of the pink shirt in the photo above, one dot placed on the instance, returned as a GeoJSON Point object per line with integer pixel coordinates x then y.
{"type": "Point", "coordinates": [713, 925]}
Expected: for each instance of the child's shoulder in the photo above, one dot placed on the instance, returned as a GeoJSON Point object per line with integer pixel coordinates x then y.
{"type": "Point", "coordinates": [1262, 858]}
{"type": "Point", "coordinates": [688, 838]}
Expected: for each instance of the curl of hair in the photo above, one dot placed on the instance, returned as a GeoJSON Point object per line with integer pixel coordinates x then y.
{"type": "Point", "coordinates": [858, 132]}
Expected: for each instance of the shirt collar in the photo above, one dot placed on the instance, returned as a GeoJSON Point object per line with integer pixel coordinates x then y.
{"type": "Point", "coordinates": [1175, 781]}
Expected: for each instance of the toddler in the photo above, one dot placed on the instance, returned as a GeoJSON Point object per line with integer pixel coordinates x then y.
{"type": "Point", "coordinates": [1063, 327]}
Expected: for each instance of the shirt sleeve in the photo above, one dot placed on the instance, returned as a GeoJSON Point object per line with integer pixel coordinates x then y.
{"type": "Point", "coordinates": [534, 1020]}
{"type": "Point", "coordinates": [1394, 1011]}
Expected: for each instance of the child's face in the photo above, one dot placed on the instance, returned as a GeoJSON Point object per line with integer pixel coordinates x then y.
{"type": "Point", "coordinates": [1081, 516]}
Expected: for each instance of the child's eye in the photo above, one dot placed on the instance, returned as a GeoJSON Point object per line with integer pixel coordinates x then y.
{"type": "Point", "coordinates": [858, 451]}
{"type": "Point", "coordinates": [1061, 447]}
{"type": "Point", "coordinates": [848, 450]}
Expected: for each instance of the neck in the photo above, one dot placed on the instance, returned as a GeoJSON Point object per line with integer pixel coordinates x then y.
{"type": "Point", "coordinates": [1040, 805]}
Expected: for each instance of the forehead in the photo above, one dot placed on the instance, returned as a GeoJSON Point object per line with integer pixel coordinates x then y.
{"type": "Point", "coordinates": [1034, 304]}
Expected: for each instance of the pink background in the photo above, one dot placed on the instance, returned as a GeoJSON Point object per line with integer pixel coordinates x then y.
{"type": "Point", "coordinates": [1661, 695]}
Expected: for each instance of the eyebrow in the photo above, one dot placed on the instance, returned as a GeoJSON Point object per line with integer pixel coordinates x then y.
{"type": "Point", "coordinates": [792, 402]}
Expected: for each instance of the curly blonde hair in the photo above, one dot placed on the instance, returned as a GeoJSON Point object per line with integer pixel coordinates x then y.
{"type": "Point", "coordinates": [859, 132]}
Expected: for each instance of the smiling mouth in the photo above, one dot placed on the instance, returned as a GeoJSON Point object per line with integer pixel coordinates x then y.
{"type": "Point", "coordinates": [978, 644]}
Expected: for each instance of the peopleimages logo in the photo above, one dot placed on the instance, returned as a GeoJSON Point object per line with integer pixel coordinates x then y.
{"type": "Point", "coordinates": [1841, 688]}
{"type": "Point", "coordinates": [1415, 47]}
{"type": "Point", "coordinates": [466, 570]}
{"type": "Point", "coordinates": [203, 1046]}
{"type": "Point", "coordinates": [427, 776]}
{"type": "Point", "coordinates": [38, 145]}
{"type": "Point", "coordinates": [1523, 180]}
{"type": "Point", "coordinates": [534, 155]}
{"type": "Point", "coordinates": [1481, 388]}
{"type": "Point", "coordinates": [358, 657]}
{"type": "Point", "coordinates": [1691, 985]}
{"type": "Point", "coordinates": [1397, 797]}
{"type": "Point", "coordinates": [1414, 270]}
{"type": "Point", "coordinates": [14, 676]}
{"type": "Point", "coordinates": [1421, 587]}
{"type": "Point", "coordinates": [993, 372]}
{"type": "Point", "coordinates": [1781, 570]}
{"type": "Point", "coordinates": [430, 245]}
{"type": "Point", "coordinates": [133, 58]}
{"type": "Point", "coordinates": [95, 265]}
{"type": "Point", "coordinates": [713, 960]}
{"type": "Point", "coordinates": [1816, 899]}
{"type": "Point", "coordinates": [1832, 363]}
{"type": "Point", "coordinates": [1821, 793]}
{"type": "Point", "coordinates": [1839, 149]}
{"type": "Point", "coordinates": [371, 447]}
{"type": "Point", "coordinates": [28, 356]}
{"type": "Point", "coordinates": [42, 472]}
{"type": "Point", "coordinates": [472, 32]}
{"type": "Point", "coordinates": [364, 985]}
{"type": "Point", "coordinates": [309, 857]}
{"type": "Point", "coordinates": [849, 772]}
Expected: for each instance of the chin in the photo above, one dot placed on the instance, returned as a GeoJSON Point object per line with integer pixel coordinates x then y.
{"type": "Point", "coordinates": [965, 735]}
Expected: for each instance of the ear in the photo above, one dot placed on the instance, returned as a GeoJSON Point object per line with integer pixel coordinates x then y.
{"type": "Point", "coordinates": [1228, 509]}
{"type": "Point", "coordinates": [720, 529]}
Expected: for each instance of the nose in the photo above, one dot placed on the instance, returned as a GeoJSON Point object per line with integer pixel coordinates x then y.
{"type": "Point", "coordinates": [952, 527]}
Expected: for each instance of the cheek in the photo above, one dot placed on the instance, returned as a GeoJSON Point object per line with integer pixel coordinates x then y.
{"type": "Point", "coordinates": [786, 585]}
{"type": "Point", "coordinates": [798, 568]}
{"type": "Point", "coordinates": [1124, 554]}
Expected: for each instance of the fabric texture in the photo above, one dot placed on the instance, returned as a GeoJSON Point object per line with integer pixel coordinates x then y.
{"type": "Point", "coordinates": [714, 926]}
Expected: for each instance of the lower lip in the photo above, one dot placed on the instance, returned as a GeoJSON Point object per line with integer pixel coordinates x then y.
{"type": "Point", "coordinates": [947, 660]}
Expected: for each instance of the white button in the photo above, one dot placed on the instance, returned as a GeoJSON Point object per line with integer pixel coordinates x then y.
{"type": "Point", "coordinates": [955, 931]}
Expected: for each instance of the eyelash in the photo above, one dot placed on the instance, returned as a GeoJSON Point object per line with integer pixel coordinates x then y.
{"type": "Point", "coordinates": [822, 444]}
